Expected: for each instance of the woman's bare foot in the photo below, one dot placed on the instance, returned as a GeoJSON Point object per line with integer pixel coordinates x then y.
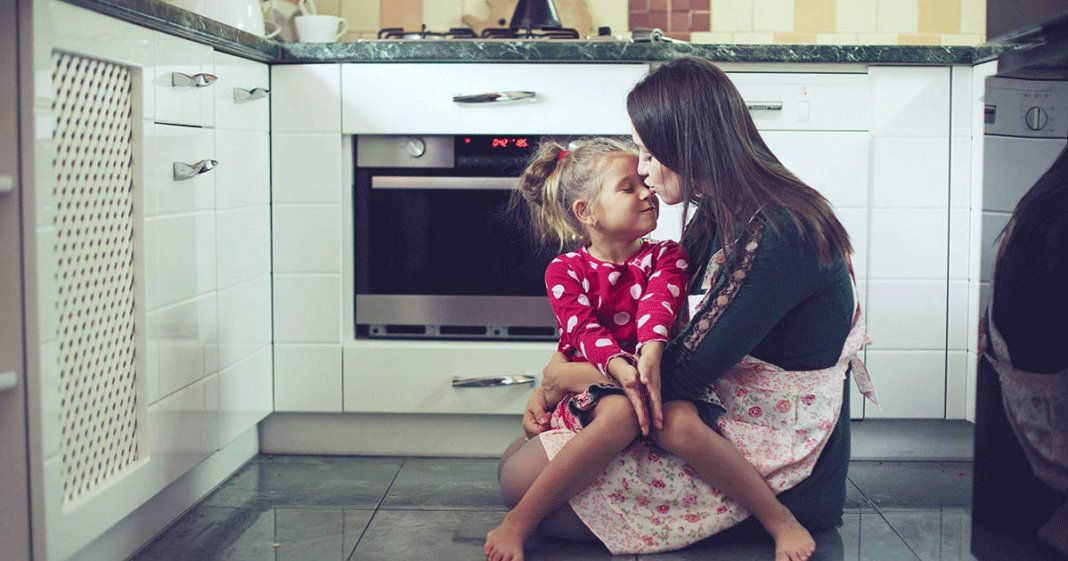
{"type": "Point", "coordinates": [792, 541]}
{"type": "Point", "coordinates": [1054, 533]}
{"type": "Point", "coordinates": [505, 542]}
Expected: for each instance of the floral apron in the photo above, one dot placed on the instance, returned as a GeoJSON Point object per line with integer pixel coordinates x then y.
{"type": "Point", "coordinates": [1036, 405]}
{"type": "Point", "coordinates": [650, 501]}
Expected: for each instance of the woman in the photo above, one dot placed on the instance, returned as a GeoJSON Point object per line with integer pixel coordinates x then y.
{"type": "Point", "coordinates": [764, 360]}
{"type": "Point", "coordinates": [1021, 437]}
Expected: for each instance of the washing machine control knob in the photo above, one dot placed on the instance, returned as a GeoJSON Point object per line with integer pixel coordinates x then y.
{"type": "Point", "coordinates": [1036, 118]}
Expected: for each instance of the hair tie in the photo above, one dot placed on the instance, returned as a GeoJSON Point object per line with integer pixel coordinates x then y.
{"type": "Point", "coordinates": [563, 154]}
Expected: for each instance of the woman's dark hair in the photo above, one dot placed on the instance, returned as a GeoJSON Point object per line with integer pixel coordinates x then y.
{"type": "Point", "coordinates": [1043, 212]}
{"type": "Point", "coordinates": [693, 120]}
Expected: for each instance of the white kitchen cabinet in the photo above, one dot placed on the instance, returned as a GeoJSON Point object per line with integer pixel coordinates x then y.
{"type": "Point", "coordinates": [805, 101]}
{"type": "Point", "coordinates": [184, 81]}
{"type": "Point", "coordinates": [401, 377]}
{"type": "Point", "coordinates": [168, 146]}
{"type": "Point", "coordinates": [570, 98]}
{"type": "Point", "coordinates": [242, 94]}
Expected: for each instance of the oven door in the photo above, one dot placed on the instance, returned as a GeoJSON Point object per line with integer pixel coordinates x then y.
{"type": "Point", "coordinates": [441, 253]}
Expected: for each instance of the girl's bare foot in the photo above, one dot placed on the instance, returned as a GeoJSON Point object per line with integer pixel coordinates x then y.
{"type": "Point", "coordinates": [505, 542]}
{"type": "Point", "coordinates": [792, 541]}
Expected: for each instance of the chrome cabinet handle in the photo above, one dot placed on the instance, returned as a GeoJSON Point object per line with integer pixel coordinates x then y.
{"type": "Point", "coordinates": [180, 80]}
{"type": "Point", "coordinates": [764, 105]}
{"type": "Point", "coordinates": [7, 184]}
{"type": "Point", "coordinates": [241, 95]}
{"type": "Point", "coordinates": [495, 97]}
{"type": "Point", "coordinates": [492, 381]}
{"type": "Point", "coordinates": [8, 380]}
{"type": "Point", "coordinates": [183, 171]}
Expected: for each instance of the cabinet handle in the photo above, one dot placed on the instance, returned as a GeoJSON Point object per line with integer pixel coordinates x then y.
{"type": "Point", "coordinates": [764, 105]}
{"type": "Point", "coordinates": [201, 80]}
{"type": "Point", "coordinates": [7, 184]}
{"type": "Point", "coordinates": [241, 95]}
{"type": "Point", "coordinates": [495, 97]}
{"type": "Point", "coordinates": [492, 381]}
{"type": "Point", "coordinates": [183, 171]}
{"type": "Point", "coordinates": [8, 380]}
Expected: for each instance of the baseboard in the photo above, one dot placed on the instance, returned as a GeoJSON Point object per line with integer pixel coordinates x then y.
{"type": "Point", "coordinates": [138, 529]}
{"type": "Point", "coordinates": [913, 439]}
{"type": "Point", "coordinates": [388, 435]}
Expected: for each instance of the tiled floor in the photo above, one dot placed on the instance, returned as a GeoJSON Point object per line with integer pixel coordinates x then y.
{"type": "Point", "coordinates": [368, 509]}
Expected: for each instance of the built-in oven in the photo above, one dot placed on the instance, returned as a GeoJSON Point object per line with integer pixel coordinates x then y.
{"type": "Point", "coordinates": [438, 251]}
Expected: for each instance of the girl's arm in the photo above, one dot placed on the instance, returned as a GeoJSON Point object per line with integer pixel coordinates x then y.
{"type": "Point", "coordinates": [561, 376]}
{"type": "Point", "coordinates": [580, 333]}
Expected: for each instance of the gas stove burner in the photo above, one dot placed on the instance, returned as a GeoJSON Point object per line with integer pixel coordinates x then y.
{"type": "Point", "coordinates": [452, 33]}
{"type": "Point", "coordinates": [546, 33]}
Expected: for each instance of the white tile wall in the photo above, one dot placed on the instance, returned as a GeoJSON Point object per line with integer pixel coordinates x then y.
{"type": "Point", "coordinates": [908, 243]}
{"type": "Point", "coordinates": [956, 384]}
{"type": "Point", "coordinates": [306, 167]}
{"type": "Point", "coordinates": [961, 102]}
{"type": "Point", "coordinates": [307, 378]}
{"type": "Point", "coordinates": [307, 308]}
{"type": "Point", "coordinates": [910, 172]}
{"type": "Point", "coordinates": [957, 338]}
{"type": "Point", "coordinates": [909, 100]}
{"type": "Point", "coordinates": [244, 244]}
{"type": "Point", "coordinates": [907, 314]}
{"type": "Point", "coordinates": [960, 172]}
{"type": "Point", "coordinates": [835, 163]}
{"type": "Point", "coordinates": [188, 343]}
{"type": "Point", "coordinates": [245, 395]}
{"type": "Point", "coordinates": [243, 177]}
{"type": "Point", "coordinates": [959, 232]}
{"type": "Point", "coordinates": [184, 258]}
{"type": "Point", "coordinates": [307, 238]}
{"type": "Point", "coordinates": [244, 320]}
{"type": "Point", "coordinates": [306, 98]}
{"type": "Point", "coordinates": [909, 384]}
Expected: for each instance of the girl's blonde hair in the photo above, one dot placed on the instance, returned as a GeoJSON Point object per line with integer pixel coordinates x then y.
{"type": "Point", "coordinates": [557, 176]}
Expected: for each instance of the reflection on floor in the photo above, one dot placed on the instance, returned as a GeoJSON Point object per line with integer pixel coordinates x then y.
{"type": "Point", "coordinates": [367, 509]}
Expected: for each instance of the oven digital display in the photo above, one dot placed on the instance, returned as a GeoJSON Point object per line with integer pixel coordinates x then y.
{"type": "Point", "coordinates": [516, 146]}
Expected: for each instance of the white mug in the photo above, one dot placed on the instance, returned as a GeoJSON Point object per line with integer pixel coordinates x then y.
{"type": "Point", "coordinates": [320, 29]}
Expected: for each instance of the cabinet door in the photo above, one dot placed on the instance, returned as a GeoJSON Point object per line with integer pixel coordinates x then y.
{"type": "Point", "coordinates": [419, 98]}
{"type": "Point", "coordinates": [242, 94]}
{"type": "Point", "coordinates": [184, 82]}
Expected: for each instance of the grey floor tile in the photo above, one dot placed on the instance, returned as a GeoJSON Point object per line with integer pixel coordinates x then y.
{"type": "Point", "coordinates": [447, 483]}
{"type": "Point", "coordinates": [308, 482]}
{"type": "Point", "coordinates": [935, 535]}
{"type": "Point", "coordinates": [877, 541]}
{"type": "Point", "coordinates": [443, 535]}
{"type": "Point", "coordinates": [914, 485]}
{"type": "Point", "coordinates": [210, 534]}
{"type": "Point", "coordinates": [855, 500]}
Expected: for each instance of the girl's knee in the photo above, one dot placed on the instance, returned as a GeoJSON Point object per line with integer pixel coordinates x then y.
{"type": "Point", "coordinates": [682, 427]}
{"type": "Point", "coordinates": [615, 415]}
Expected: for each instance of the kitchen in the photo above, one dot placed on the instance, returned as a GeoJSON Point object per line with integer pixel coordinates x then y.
{"type": "Point", "coordinates": [246, 331]}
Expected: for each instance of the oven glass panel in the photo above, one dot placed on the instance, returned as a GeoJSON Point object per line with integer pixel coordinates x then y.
{"type": "Point", "coordinates": [445, 242]}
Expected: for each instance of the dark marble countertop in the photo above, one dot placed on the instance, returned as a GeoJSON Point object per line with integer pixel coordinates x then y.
{"type": "Point", "coordinates": [169, 19]}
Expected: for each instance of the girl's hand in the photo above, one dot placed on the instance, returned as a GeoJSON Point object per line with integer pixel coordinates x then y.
{"type": "Point", "coordinates": [627, 377]}
{"type": "Point", "coordinates": [536, 416]}
{"type": "Point", "coordinates": [649, 375]}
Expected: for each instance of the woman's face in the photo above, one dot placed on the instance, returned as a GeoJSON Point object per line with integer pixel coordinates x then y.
{"type": "Point", "coordinates": [658, 177]}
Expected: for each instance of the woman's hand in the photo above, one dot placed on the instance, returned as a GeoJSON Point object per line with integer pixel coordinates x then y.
{"type": "Point", "coordinates": [626, 376]}
{"type": "Point", "coordinates": [536, 416]}
{"type": "Point", "coordinates": [649, 375]}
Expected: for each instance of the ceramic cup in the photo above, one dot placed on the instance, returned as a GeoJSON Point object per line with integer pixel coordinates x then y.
{"type": "Point", "coordinates": [320, 29]}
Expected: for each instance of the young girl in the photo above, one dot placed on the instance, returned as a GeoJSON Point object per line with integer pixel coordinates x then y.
{"type": "Point", "coordinates": [616, 295]}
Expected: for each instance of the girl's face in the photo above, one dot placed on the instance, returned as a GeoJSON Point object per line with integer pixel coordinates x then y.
{"type": "Point", "coordinates": [657, 176]}
{"type": "Point", "coordinates": [625, 207]}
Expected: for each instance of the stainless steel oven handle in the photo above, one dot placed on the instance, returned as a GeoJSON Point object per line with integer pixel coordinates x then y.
{"type": "Point", "coordinates": [440, 182]}
{"type": "Point", "coordinates": [492, 381]}
{"type": "Point", "coordinates": [495, 97]}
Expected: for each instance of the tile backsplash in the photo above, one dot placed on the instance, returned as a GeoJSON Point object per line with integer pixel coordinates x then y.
{"type": "Point", "coordinates": [841, 22]}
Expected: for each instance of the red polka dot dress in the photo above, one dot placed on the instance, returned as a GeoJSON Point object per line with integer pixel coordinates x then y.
{"type": "Point", "coordinates": [605, 309]}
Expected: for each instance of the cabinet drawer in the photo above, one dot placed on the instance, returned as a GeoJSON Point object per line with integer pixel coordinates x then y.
{"type": "Point", "coordinates": [805, 101]}
{"type": "Point", "coordinates": [184, 104]}
{"type": "Point", "coordinates": [166, 146]}
{"type": "Point", "coordinates": [416, 376]}
{"type": "Point", "coordinates": [242, 99]}
{"type": "Point", "coordinates": [418, 98]}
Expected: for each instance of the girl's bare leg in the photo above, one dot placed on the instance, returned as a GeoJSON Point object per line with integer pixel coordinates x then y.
{"type": "Point", "coordinates": [578, 463]}
{"type": "Point", "coordinates": [720, 464]}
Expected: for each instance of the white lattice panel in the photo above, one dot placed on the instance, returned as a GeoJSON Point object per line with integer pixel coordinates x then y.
{"type": "Point", "coordinates": [95, 275]}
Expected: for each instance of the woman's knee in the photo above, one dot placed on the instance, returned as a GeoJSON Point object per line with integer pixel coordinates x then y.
{"type": "Point", "coordinates": [682, 427]}
{"type": "Point", "coordinates": [518, 471]}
